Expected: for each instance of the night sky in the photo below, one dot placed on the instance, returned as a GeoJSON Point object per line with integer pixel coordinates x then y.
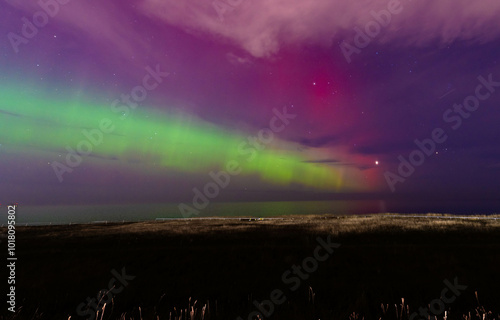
{"type": "Point", "coordinates": [106, 102]}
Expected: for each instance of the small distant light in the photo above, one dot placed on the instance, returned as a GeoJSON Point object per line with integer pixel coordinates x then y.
{"type": "Point", "coordinates": [376, 163]}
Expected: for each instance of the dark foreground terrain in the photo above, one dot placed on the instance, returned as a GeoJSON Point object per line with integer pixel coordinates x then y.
{"type": "Point", "coordinates": [216, 269]}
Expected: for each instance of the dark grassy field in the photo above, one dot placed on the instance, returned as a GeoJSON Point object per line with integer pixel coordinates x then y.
{"type": "Point", "coordinates": [227, 264]}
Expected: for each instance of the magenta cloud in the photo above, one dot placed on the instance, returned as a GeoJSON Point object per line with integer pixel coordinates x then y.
{"type": "Point", "coordinates": [261, 27]}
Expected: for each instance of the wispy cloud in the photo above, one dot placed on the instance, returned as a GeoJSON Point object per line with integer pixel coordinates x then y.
{"type": "Point", "coordinates": [105, 25]}
{"type": "Point", "coordinates": [261, 27]}
{"type": "Point", "coordinates": [322, 161]}
{"type": "Point", "coordinates": [237, 60]}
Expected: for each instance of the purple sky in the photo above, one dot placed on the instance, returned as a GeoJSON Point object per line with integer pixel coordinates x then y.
{"type": "Point", "coordinates": [363, 92]}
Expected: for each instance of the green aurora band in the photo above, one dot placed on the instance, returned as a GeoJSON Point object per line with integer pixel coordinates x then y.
{"type": "Point", "coordinates": [148, 140]}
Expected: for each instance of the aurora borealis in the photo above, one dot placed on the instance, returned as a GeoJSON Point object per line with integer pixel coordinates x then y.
{"type": "Point", "coordinates": [141, 101]}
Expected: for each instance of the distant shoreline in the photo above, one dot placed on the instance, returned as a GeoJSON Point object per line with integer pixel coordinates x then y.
{"type": "Point", "coordinates": [140, 212]}
{"type": "Point", "coordinates": [492, 216]}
